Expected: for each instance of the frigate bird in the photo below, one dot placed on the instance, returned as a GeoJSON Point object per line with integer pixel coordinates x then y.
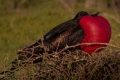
{"type": "Point", "coordinates": [65, 34]}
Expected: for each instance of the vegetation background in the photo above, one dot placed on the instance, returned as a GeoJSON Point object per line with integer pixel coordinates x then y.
{"type": "Point", "coordinates": [23, 22]}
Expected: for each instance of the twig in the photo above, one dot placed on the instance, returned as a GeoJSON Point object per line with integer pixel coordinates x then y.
{"type": "Point", "coordinates": [108, 44]}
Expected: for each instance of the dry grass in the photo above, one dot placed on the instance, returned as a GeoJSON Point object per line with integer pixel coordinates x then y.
{"type": "Point", "coordinates": [75, 65]}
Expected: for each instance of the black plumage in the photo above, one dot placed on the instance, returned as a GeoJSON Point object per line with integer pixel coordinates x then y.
{"type": "Point", "coordinates": [68, 33]}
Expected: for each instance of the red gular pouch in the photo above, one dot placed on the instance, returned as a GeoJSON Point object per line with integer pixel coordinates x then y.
{"type": "Point", "coordinates": [97, 30]}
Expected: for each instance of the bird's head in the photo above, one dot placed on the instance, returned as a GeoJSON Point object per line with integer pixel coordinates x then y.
{"type": "Point", "coordinates": [80, 14]}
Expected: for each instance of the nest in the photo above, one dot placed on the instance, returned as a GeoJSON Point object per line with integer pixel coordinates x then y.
{"type": "Point", "coordinates": [69, 65]}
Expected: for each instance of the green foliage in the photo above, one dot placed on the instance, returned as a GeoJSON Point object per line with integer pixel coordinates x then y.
{"type": "Point", "coordinates": [18, 29]}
